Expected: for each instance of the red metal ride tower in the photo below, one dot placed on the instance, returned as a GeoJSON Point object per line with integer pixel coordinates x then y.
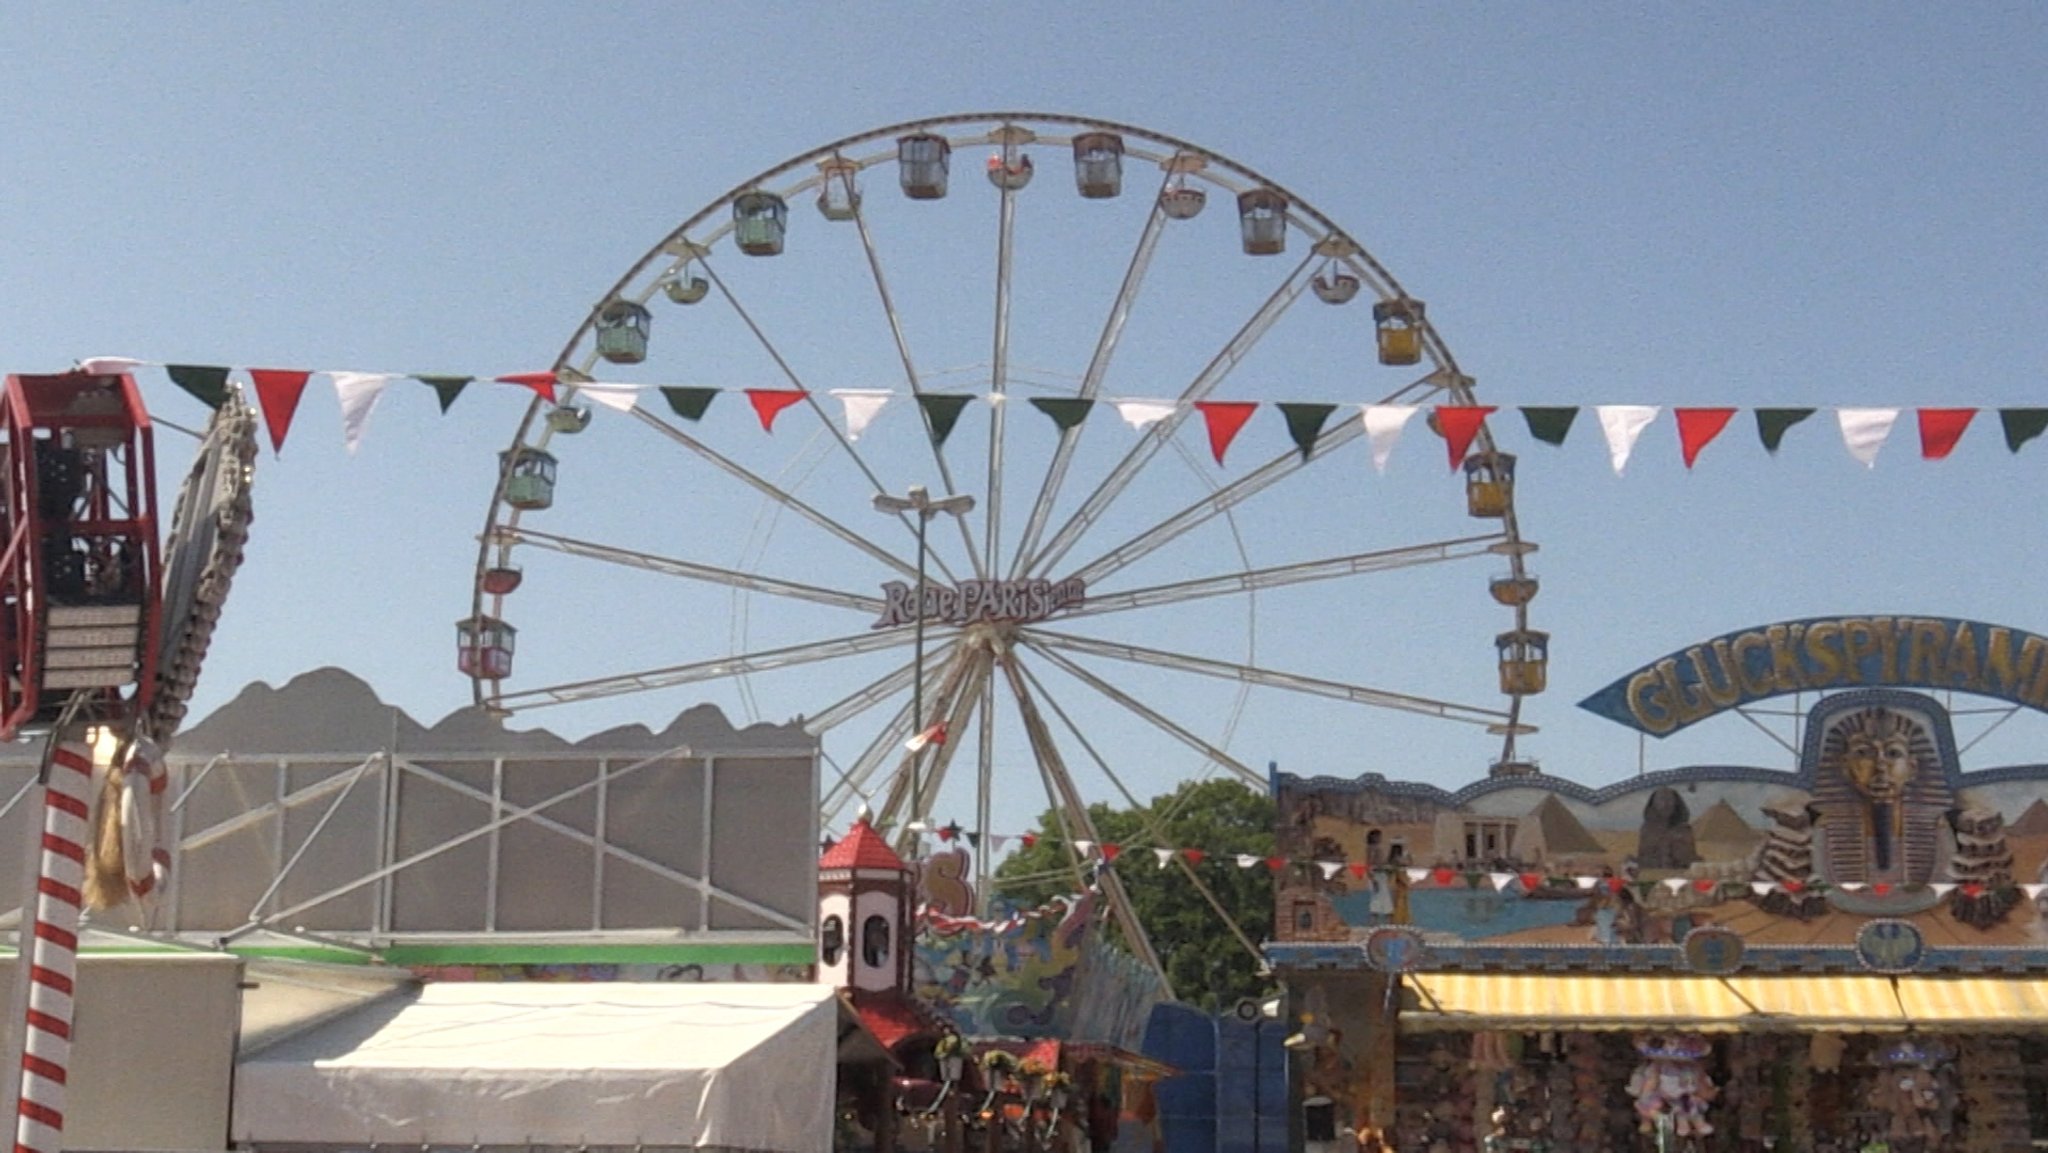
{"type": "Point", "coordinates": [79, 574]}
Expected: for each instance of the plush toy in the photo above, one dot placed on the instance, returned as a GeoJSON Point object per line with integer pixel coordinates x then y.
{"type": "Point", "coordinates": [1913, 1094]}
{"type": "Point", "coordinates": [1670, 1083]}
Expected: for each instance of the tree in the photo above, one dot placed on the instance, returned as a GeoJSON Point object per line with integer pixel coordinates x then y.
{"type": "Point", "coordinates": [1205, 961]}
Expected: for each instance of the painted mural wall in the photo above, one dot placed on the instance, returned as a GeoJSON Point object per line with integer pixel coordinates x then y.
{"type": "Point", "coordinates": [1878, 819]}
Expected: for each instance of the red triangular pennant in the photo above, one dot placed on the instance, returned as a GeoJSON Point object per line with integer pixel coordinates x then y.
{"type": "Point", "coordinates": [1940, 429]}
{"type": "Point", "coordinates": [1111, 852]}
{"type": "Point", "coordinates": [277, 394]}
{"type": "Point", "coordinates": [1615, 884]}
{"type": "Point", "coordinates": [1357, 869]}
{"type": "Point", "coordinates": [1459, 424]}
{"type": "Point", "coordinates": [1028, 839]}
{"type": "Point", "coordinates": [1225, 418]}
{"type": "Point", "coordinates": [540, 382]}
{"type": "Point", "coordinates": [1532, 881]}
{"type": "Point", "coordinates": [1706, 884]}
{"type": "Point", "coordinates": [768, 402]}
{"type": "Point", "coordinates": [1443, 874]}
{"type": "Point", "coordinates": [1276, 864]}
{"type": "Point", "coordinates": [1792, 886]}
{"type": "Point", "coordinates": [1697, 427]}
{"type": "Point", "coordinates": [1973, 889]}
{"type": "Point", "coordinates": [1194, 856]}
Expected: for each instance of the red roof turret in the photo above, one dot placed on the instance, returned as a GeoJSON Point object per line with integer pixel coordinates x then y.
{"type": "Point", "coordinates": [862, 848]}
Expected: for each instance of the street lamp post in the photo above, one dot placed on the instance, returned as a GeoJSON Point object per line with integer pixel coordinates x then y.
{"type": "Point", "coordinates": [925, 507]}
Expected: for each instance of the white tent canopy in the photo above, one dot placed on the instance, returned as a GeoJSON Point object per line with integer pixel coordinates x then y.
{"type": "Point", "coordinates": [731, 1066]}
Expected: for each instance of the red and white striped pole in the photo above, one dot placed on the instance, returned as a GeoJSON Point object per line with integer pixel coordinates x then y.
{"type": "Point", "coordinates": [51, 949]}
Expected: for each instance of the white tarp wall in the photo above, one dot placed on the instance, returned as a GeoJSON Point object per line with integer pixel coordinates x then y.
{"type": "Point", "coordinates": [153, 1049]}
{"type": "Point", "coordinates": [729, 1066]}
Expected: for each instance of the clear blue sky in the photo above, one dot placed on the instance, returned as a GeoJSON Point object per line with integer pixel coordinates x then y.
{"type": "Point", "coordinates": [1730, 204]}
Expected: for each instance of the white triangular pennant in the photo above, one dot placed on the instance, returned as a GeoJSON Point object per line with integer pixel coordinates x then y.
{"type": "Point", "coordinates": [1246, 860]}
{"type": "Point", "coordinates": [2033, 891]}
{"type": "Point", "coordinates": [1853, 886]}
{"type": "Point", "coordinates": [996, 841]}
{"type": "Point", "coordinates": [1417, 876]}
{"type": "Point", "coordinates": [1586, 882]}
{"type": "Point", "coordinates": [1330, 868]}
{"type": "Point", "coordinates": [1143, 414]}
{"type": "Point", "coordinates": [1084, 847]}
{"type": "Point", "coordinates": [617, 397]}
{"type": "Point", "coordinates": [1674, 883]}
{"type": "Point", "coordinates": [1864, 431]}
{"type": "Point", "coordinates": [1383, 425]}
{"type": "Point", "coordinates": [109, 365]}
{"type": "Point", "coordinates": [1501, 881]}
{"type": "Point", "coordinates": [861, 405]}
{"type": "Point", "coordinates": [1943, 888]}
{"type": "Point", "coordinates": [358, 392]}
{"type": "Point", "coordinates": [1761, 888]}
{"type": "Point", "coordinates": [1623, 423]}
{"type": "Point", "coordinates": [1165, 856]}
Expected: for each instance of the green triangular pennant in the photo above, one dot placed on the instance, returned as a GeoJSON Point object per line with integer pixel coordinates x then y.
{"type": "Point", "coordinates": [1305, 424]}
{"type": "Point", "coordinates": [1550, 425]}
{"type": "Point", "coordinates": [1065, 411]}
{"type": "Point", "coordinates": [445, 387]}
{"type": "Point", "coordinates": [941, 413]}
{"type": "Point", "coordinates": [688, 403]}
{"type": "Point", "coordinates": [2022, 425]}
{"type": "Point", "coordinates": [1771, 424]}
{"type": "Point", "coordinates": [207, 382]}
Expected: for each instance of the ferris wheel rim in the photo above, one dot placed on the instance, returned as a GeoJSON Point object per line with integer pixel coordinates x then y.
{"type": "Point", "coordinates": [570, 368]}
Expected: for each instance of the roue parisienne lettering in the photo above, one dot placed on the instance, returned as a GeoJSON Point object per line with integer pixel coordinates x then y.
{"type": "Point", "coordinates": [976, 601]}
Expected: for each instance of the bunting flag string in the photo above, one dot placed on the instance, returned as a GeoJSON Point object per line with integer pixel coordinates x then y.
{"type": "Point", "coordinates": [1528, 882]}
{"type": "Point", "coordinates": [1864, 429]}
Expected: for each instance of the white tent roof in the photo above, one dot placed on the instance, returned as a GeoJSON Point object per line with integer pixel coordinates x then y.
{"type": "Point", "coordinates": [736, 1066]}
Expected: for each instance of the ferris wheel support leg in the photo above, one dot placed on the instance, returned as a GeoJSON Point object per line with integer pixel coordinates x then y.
{"type": "Point", "coordinates": [49, 949]}
{"type": "Point", "coordinates": [1077, 813]}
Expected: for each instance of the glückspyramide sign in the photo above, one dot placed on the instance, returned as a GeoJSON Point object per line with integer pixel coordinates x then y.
{"type": "Point", "coordinates": [1738, 668]}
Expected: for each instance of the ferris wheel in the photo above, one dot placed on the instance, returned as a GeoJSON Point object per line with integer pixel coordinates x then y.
{"type": "Point", "coordinates": [1027, 581]}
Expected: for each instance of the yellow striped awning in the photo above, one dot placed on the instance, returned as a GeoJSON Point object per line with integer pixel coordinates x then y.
{"type": "Point", "coordinates": [1852, 1004]}
{"type": "Point", "coordinates": [1462, 1001]}
{"type": "Point", "coordinates": [1973, 1003]}
{"type": "Point", "coordinates": [1796, 1002]}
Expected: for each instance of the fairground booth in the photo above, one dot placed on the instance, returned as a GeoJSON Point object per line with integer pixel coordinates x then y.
{"type": "Point", "coordinates": [1847, 953]}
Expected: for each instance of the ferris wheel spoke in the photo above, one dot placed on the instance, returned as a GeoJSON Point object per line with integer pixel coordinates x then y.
{"type": "Point", "coordinates": [1215, 503]}
{"type": "Point", "coordinates": [737, 665]}
{"type": "Point", "coordinates": [811, 400]}
{"type": "Point", "coordinates": [910, 373]}
{"type": "Point", "coordinates": [1269, 678]}
{"type": "Point", "coordinates": [960, 710]}
{"type": "Point", "coordinates": [1281, 576]}
{"type": "Point", "coordinates": [960, 662]}
{"type": "Point", "coordinates": [1151, 716]}
{"type": "Point", "coordinates": [999, 371]}
{"type": "Point", "coordinates": [691, 570]}
{"type": "Point", "coordinates": [1156, 436]}
{"type": "Point", "coordinates": [1154, 830]}
{"type": "Point", "coordinates": [774, 492]}
{"type": "Point", "coordinates": [869, 695]}
{"type": "Point", "coordinates": [1091, 381]}
{"type": "Point", "coordinates": [1062, 782]}
{"type": "Point", "coordinates": [854, 781]}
